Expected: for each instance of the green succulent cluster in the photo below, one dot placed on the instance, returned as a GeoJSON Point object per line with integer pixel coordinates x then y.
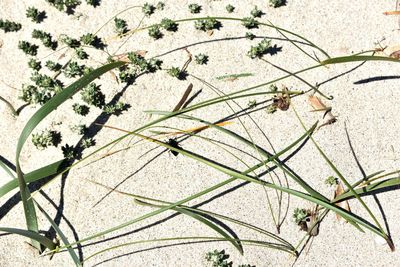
{"type": "Point", "coordinates": [256, 13]}
{"type": "Point", "coordinates": [93, 95]}
{"type": "Point", "coordinates": [35, 15]}
{"type": "Point", "coordinates": [155, 32]}
{"type": "Point", "coordinates": [73, 69]}
{"type": "Point", "coordinates": [169, 24]}
{"type": "Point", "coordinates": [299, 215]}
{"type": "Point", "coordinates": [144, 65]}
{"type": "Point", "coordinates": [207, 24]}
{"type": "Point", "coordinates": [201, 59]}
{"type": "Point", "coordinates": [260, 49]}
{"type": "Point", "coordinates": [9, 26]}
{"type": "Point", "coordinates": [70, 42]}
{"type": "Point", "coordinates": [148, 9]}
{"type": "Point", "coordinates": [194, 8]}
{"type": "Point", "coordinates": [121, 26]}
{"type": "Point", "coordinates": [46, 138]}
{"type": "Point", "coordinates": [277, 3]}
{"type": "Point", "coordinates": [115, 109]}
{"type": "Point", "coordinates": [79, 109]}
{"type": "Point", "coordinates": [230, 8]}
{"type": "Point", "coordinates": [45, 38]}
{"type": "Point", "coordinates": [53, 66]}
{"type": "Point", "coordinates": [250, 22]}
{"type": "Point", "coordinates": [64, 5]}
{"type": "Point", "coordinates": [28, 48]}
{"type": "Point", "coordinates": [34, 64]}
{"type": "Point", "coordinates": [218, 258]}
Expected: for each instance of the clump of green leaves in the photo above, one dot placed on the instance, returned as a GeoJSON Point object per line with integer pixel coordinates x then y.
{"type": "Point", "coordinates": [93, 40]}
{"type": "Point", "coordinates": [201, 59]}
{"type": "Point", "coordinates": [115, 109]}
{"type": "Point", "coordinates": [250, 22]}
{"type": "Point", "coordinates": [93, 95]}
{"type": "Point", "coordinates": [81, 54]}
{"type": "Point", "coordinates": [70, 42]}
{"type": "Point", "coordinates": [28, 48]}
{"type": "Point", "coordinates": [250, 36]}
{"type": "Point", "coordinates": [46, 39]}
{"type": "Point", "coordinates": [331, 181]}
{"type": "Point", "coordinates": [194, 8]}
{"type": "Point", "coordinates": [218, 258]}
{"type": "Point", "coordinates": [80, 129]}
{"type": "Point", "coordinates": [256, 13]}
{"type": "Point", "coordinates": [93, 3]}
{"type": "Point", "coordinates": [160, 6]}
{"type": "Point", "coordinates": [169, 25]}
{"type": "Point", "coordinates": [64, 5]}
{"type": "Point", "coordinates": [277, 3]}
{"type": "Point", "coordinates": [35, 15]}
{"type": "Point", "coordinates": [46, 87]}
{"type": "Point", "coordinates": [82, 110]}
{"type": "Point", "coordinates": [148, 9]}
{"type": "Point", "coordinates": [53, 66]}
{"type": "Point", "coordinates": [73, 69]}
{"type": "Point", "coordinates": [121, 26]}
{"type": "Point", "coordinates": [207, 24]}
{"type": "Point", "coordinates": [34, 64]}
{"type": "Point", "coordinates": [177, 73]}
{"type": "Point", "coordinates": [9, 26]}
{"type": "Point", "coordinates": [260, 49]}
{"type": "Point", "coordinates": [144, 65]}
{"type": "Point", "coordinates": [299, 215]}
{"type": "Point", "coordinates": [230, 8]}
{"type": "Point", "coordinates": [46, 138]}
{"type": "Point", "coordinates": [155, 32]}
{"type": "Point", "coordinates": [69, 152]}
{"type": "Point", "coordinates": [87, 142]}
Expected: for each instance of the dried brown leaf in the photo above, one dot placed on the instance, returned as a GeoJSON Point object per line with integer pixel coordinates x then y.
{"type": "Point", "coordinates": [344, 204]}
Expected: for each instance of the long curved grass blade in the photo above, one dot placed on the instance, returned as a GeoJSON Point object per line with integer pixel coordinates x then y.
{"type": "Point", "coordinates": [354, 58]}
{"type": "Point", "coordinates": [62, 236]}
{"type": "Point", "coordinates": [201, 219]}
{"type": "Point", "coordinates": [47, 108]}
{"type": "Point", "coordinates": [32, 235]}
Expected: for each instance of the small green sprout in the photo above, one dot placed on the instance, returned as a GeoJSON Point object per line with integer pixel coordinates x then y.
{"type": "Point", "coordinates": [250, 36]}
{"type": "Point", "coordinates": [230, 8]}
{"type": "Point", "coordinates": [46, 138]}
{"type": "Point", "coordinates": [73, 69]}
{"type": "Point", "coordinates": [252, 104]}
{"type": "Point", "coordinates": [70, 42]}
{"type": "Point", "coordinates": [9, 26]}
{"type": "Point", "coordinates": [53, 66]}
{"type": "Point", "coordinates": [194, 8]}
{"type": "Point", "coordinates": [218, 258]}
{"type": "Point", "coordinates": [64, 5]}
{"type": "Point", "coordinates": [169, 25]}
{"type": "Point", "coordinates": [260, 49]}
{"type": "Point", "coordinates": [34, 64]}
{"type": "Point", "coordinates": [331, 181]}
{"type": "Point", "coordinates": [273, 88]}
{"type": "Point", "coordinates": [160, 6]}
{"type": "Point", "coordinates": [81, 54]}
{"type": "Point", "coordinates": [79, 129]}
{"type": "Point", "coordinates": [127, 75]}
{"type": "Point", "coordinates": [177, 73]}
{"type": "Point", "coordinates": [46, 39]}
{"type": "Point", "coordinates": [201, 59]}
{"type": "Point", "coordinates": [299, 215]}
{"type": "Point", "coordinates": [28, 48]}
{"type": "Point", "coordinates": [88, 142]}
{"type": "Point", "coordinates": [256, 13]}
{"type": "Point", "coordinates": [86, 70]}
{"type": "Point", "coordinates": [79, 109]}
{"type": "Point", "coordinates": [148, 9]}
{"type": "Point", "coordinates": [277, 3]}
{"type": "Point", "coordinates": [155, 32]}
{"type": "Point", "coordinates": [121, 26]}
{"type": "Point", "coordinates": [88, 38]}
{"type": "Point", "coordinates": [42, 80]}
{"type": "Point", "coordinates": [35, 15]}
{"type": "Point", "coordinates": [93, 95]}
{"type": "Point", "coordinates": [250, 22]}
{"type": "Point", "coordinates": [29, 94]}
{"type": "Point", "coordinates": [271, 109]}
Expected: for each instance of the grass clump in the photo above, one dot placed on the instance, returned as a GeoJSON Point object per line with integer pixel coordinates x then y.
{"type": "Point", "coordinates": [35, 15]}
{"type": "Point", "coordinates": [9, 26]}
{"type": "Point", "coordinates": [28, 48]}
{"type": "Point", "coordinates": [46, 139]}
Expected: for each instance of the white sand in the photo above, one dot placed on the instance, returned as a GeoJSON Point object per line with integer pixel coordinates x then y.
{"type": "Point", "coordinates": [370, 111]}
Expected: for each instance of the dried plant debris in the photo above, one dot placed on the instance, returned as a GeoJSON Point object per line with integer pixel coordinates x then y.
{"type": "Point", "coordinates": [280, 101]}
{"type": "Point", "coordinates": [307, 220]}
{"type": "Point", "coordinates": [318, 105]}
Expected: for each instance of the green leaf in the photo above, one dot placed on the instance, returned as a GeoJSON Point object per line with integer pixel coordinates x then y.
{"type": "Point", "coordinates": [32, 235]}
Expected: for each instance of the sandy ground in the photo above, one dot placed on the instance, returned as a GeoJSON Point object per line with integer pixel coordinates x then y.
{"type": "Point", "coordinates": [370, 111]}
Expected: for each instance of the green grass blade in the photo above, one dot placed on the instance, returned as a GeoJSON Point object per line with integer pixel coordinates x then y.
{"type": "Point", "coordinates": [62, 236]}
{"type": "Point", "coordinates": [355, 58]}
{"type": "Point", "coordinates": [32, 235]}
{"type": "Point", "coordinates": [201, 219]}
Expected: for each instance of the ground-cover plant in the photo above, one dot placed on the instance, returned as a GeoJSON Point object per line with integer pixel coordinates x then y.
{"type": "Point", "coordinates": [51, 94]}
